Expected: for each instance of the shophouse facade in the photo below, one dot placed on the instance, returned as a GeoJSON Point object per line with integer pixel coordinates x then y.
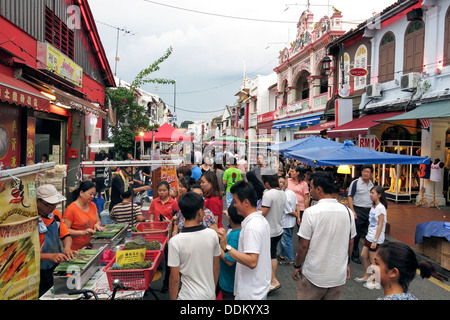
{"type": "Point", "coordinates": [53, 75]}
{"type": "Point", "coordinates": [406, 101]}
{"type": "Point", "coordinates": [303, 86]}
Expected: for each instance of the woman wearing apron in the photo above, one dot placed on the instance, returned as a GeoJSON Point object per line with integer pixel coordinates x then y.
{"type": "Point", "coordinates": [51, 230]}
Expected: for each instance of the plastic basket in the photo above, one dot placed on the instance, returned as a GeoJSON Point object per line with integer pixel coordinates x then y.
{"type": "Point", "coordinates": [162, 240]}
{"type": "Point", "coordinates": [135, 279]}
{"type": "Point", "coordinates": [155, 228]}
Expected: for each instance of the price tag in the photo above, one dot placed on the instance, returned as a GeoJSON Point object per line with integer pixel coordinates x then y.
{"type": "Point", "coordinates": [130, 256]}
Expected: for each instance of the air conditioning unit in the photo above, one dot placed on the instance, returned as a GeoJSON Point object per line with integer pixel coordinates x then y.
{"type": "Point", "coordinates": [409, 81]}
{"type": "Point", "coordinates": [373, 90]}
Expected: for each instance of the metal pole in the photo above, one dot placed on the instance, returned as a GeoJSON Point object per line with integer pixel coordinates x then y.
{"type": "Point", "coordinates": [117, 52]}
{"type": "Point", "coordinates": [174, 97]}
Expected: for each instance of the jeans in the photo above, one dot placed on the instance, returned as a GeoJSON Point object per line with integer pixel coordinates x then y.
{"type": "Point", "coordinates": [229, 198]}
{"type": "Point", "coordinates": [286, 244]}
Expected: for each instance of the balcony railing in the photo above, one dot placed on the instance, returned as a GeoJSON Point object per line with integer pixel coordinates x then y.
{"type": "Point", "coordinates": [320, 101]}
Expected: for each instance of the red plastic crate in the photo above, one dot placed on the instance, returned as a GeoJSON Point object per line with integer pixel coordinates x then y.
{"type": "Point", "coordinates": [136, 279]}
{"type": "Point", "coordinates": [162, 240]}
{"type": "Point", "coordinates": [158, 229]}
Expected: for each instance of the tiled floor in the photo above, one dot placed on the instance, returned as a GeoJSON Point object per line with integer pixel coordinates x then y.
{"type": "Point", "coordinates": [404, 217]}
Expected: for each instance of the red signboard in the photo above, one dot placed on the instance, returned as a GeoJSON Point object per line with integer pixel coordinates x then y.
{"type": "Point", "coordinates": [268, 116]}
{"type": "Point", "coordinates": [9, 138]}
{"type": "Point", "coordinates": [358, 72]}
{"type": "Point", "coordinates": [19, 93]}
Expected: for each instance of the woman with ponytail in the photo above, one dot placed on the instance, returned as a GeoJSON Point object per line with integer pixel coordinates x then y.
{"type": "Point", "coordinates": [81, 216]}
{"type": "Point", "coordinates": [398, 265]}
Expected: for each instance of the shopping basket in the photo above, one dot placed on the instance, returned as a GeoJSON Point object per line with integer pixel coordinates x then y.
{"type": "Point", "coordinates": [155, 228]}
{"type": "Point", "coordinates": [134, 279]}
{"type": "Point", "coordinates": [161, 240]}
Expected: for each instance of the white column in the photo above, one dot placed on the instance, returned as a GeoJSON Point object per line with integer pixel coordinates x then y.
{"type": "Point", "coordinates": [433, 146]}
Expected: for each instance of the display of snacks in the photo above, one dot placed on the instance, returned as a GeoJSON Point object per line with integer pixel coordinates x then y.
{"type": "Point", "coordinates": [110, 231]}
{"type": "Point", "coordinates": [134, 279]}
{"type": "Point", "coordinates": [80, 260]}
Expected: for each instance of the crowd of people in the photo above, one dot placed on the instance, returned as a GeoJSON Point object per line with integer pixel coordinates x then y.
{"type": "Point", "coordinates": [206, 259]}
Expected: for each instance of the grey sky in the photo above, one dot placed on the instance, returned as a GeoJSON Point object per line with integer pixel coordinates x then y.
{"type": "Point", "coordinates": [210, 52]}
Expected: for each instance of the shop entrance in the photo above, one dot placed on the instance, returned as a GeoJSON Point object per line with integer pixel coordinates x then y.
{"type": "Point", "coordinates": [49, 140]}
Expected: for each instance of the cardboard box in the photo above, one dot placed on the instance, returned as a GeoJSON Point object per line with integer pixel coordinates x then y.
{"type": "Point", "coordinates": [437, 249]}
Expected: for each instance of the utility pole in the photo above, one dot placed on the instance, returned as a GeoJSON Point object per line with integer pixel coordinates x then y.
{"type": "Point", "coordinates": [125, 31]}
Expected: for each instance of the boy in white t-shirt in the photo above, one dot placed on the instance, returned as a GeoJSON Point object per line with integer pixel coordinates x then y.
{"type": "Point", "coordinates": [193, 255]}
{"type": "Point", "coordinates": [290, 218]}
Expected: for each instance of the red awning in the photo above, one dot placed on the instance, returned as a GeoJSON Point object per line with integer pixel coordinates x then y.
{"type": "Point", "coordinates": [18, 92]}
{"type": "Point", "coordinates": [77, 103]}
{"type": "Point", "coordinates": [165, 133]}
{"type": "Point", "coordinates": [359, 126]}
{"type": "Point", "coordinates": [317, 129]}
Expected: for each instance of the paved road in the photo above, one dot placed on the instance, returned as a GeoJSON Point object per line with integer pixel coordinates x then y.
{"type": "Point", "coordinates": [423, 289]}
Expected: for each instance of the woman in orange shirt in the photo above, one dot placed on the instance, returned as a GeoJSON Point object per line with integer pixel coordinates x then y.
{"type": "Point", "coordinates": [81, 217]}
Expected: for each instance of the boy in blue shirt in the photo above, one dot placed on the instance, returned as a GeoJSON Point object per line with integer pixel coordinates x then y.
{"type": "Point", "coordinates": [228, 264]}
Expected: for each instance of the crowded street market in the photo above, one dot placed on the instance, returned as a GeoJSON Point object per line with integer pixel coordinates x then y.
{"type": "Point", "coordinates": [327, 176]}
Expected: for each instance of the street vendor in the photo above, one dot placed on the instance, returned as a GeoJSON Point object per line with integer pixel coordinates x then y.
{"type": "Point", "coordinates": [52, 229]}
{"type": "Point", "coordinates": [81, 216]}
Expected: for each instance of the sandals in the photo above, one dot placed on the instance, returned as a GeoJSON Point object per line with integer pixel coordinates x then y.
{"type": "Point", "coordinates": [274, 288]}
{"type": "Point", "coordinates": [285, 262]}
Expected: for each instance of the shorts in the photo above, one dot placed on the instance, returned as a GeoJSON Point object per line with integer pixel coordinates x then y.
{"type": "Point", "coordinates": [367, 244]}
{"type": "Point", "coordinates": [273, 246]}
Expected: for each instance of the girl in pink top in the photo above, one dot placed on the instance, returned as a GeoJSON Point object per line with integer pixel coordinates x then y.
{"type": "Point", "coordinates": [300, 188]}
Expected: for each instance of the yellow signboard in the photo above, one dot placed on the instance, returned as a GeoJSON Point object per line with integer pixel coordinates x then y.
{"type": "Point", "coordinates": [60, 64]}
{"type": "Point", "coordinates": [130, 256]}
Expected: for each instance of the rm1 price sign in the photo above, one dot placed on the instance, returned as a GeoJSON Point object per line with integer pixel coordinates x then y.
{"type": "Point", "coordinates": [369, 142]}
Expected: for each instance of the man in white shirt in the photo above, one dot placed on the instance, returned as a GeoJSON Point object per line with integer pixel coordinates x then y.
{"type": "Point", "coordinates": [359, 202]}
{"type": "Point", "coordinates": [253, 268]}
{"type": "Point", "coordinates": [272, 207]}
{"type": "Point", "coordinates": [193, 255]}
{"type": "Point", "coordinates": [326, 241]}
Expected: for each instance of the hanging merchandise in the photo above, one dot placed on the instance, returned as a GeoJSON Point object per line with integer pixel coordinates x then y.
{"type": "Point", "coordinates": [436, 170]}
{"type": "Point", "coordinates": [19, 237]}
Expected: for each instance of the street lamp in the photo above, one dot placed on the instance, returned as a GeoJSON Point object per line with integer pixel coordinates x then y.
{"type": "Point", "coordinates": [344, 169]}
{"type": "Point", "coordinates": [326, 63]}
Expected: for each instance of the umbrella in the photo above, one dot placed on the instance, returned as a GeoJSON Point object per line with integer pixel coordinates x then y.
{"type": "Point", "coordinates": [348, 153]}
{"type": "Point", "coordinates": [165, 133]}
{"type": "Point", "coordinates": [304, 143]}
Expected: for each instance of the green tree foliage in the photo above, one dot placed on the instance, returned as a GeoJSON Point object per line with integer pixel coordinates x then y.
{"type": "Point", "coordinates": [186, 123]}
{"type": "Point", "coordinates": [132, 118]}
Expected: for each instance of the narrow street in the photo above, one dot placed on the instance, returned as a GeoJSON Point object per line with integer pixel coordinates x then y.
{"type": "Point", "coordinates": [403, 218]}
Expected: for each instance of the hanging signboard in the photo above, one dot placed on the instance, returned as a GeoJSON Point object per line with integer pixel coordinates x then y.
{"type": "Point", "coordinates": [19, 237]}
{"type": "Point", "coordinates": [57, 62]}
{"type": "Point", "coordinates": [369, 142]}
{"type": "Point", "coordinates": [358, 72]}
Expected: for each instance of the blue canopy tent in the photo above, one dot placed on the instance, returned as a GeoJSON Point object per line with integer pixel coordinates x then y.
{"type": "Point", "coordinates": [348, 153]}
{"type": "Point", "coordinates": [304, 143]}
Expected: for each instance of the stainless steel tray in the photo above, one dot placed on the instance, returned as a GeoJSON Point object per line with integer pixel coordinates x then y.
{"type": "Point", "coordinates": [63, 284]}
{"type": "Point", "coordinates": [110, 242]}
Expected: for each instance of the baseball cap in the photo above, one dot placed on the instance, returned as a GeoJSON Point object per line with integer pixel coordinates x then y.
{"type": "Point", "coordinates": [49, 194]}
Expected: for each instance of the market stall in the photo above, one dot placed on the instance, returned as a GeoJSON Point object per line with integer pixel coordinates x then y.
{"type": "Point", "coordinates": [348, 153]}
{"type": "Point", "coordinates": [165, 133]}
